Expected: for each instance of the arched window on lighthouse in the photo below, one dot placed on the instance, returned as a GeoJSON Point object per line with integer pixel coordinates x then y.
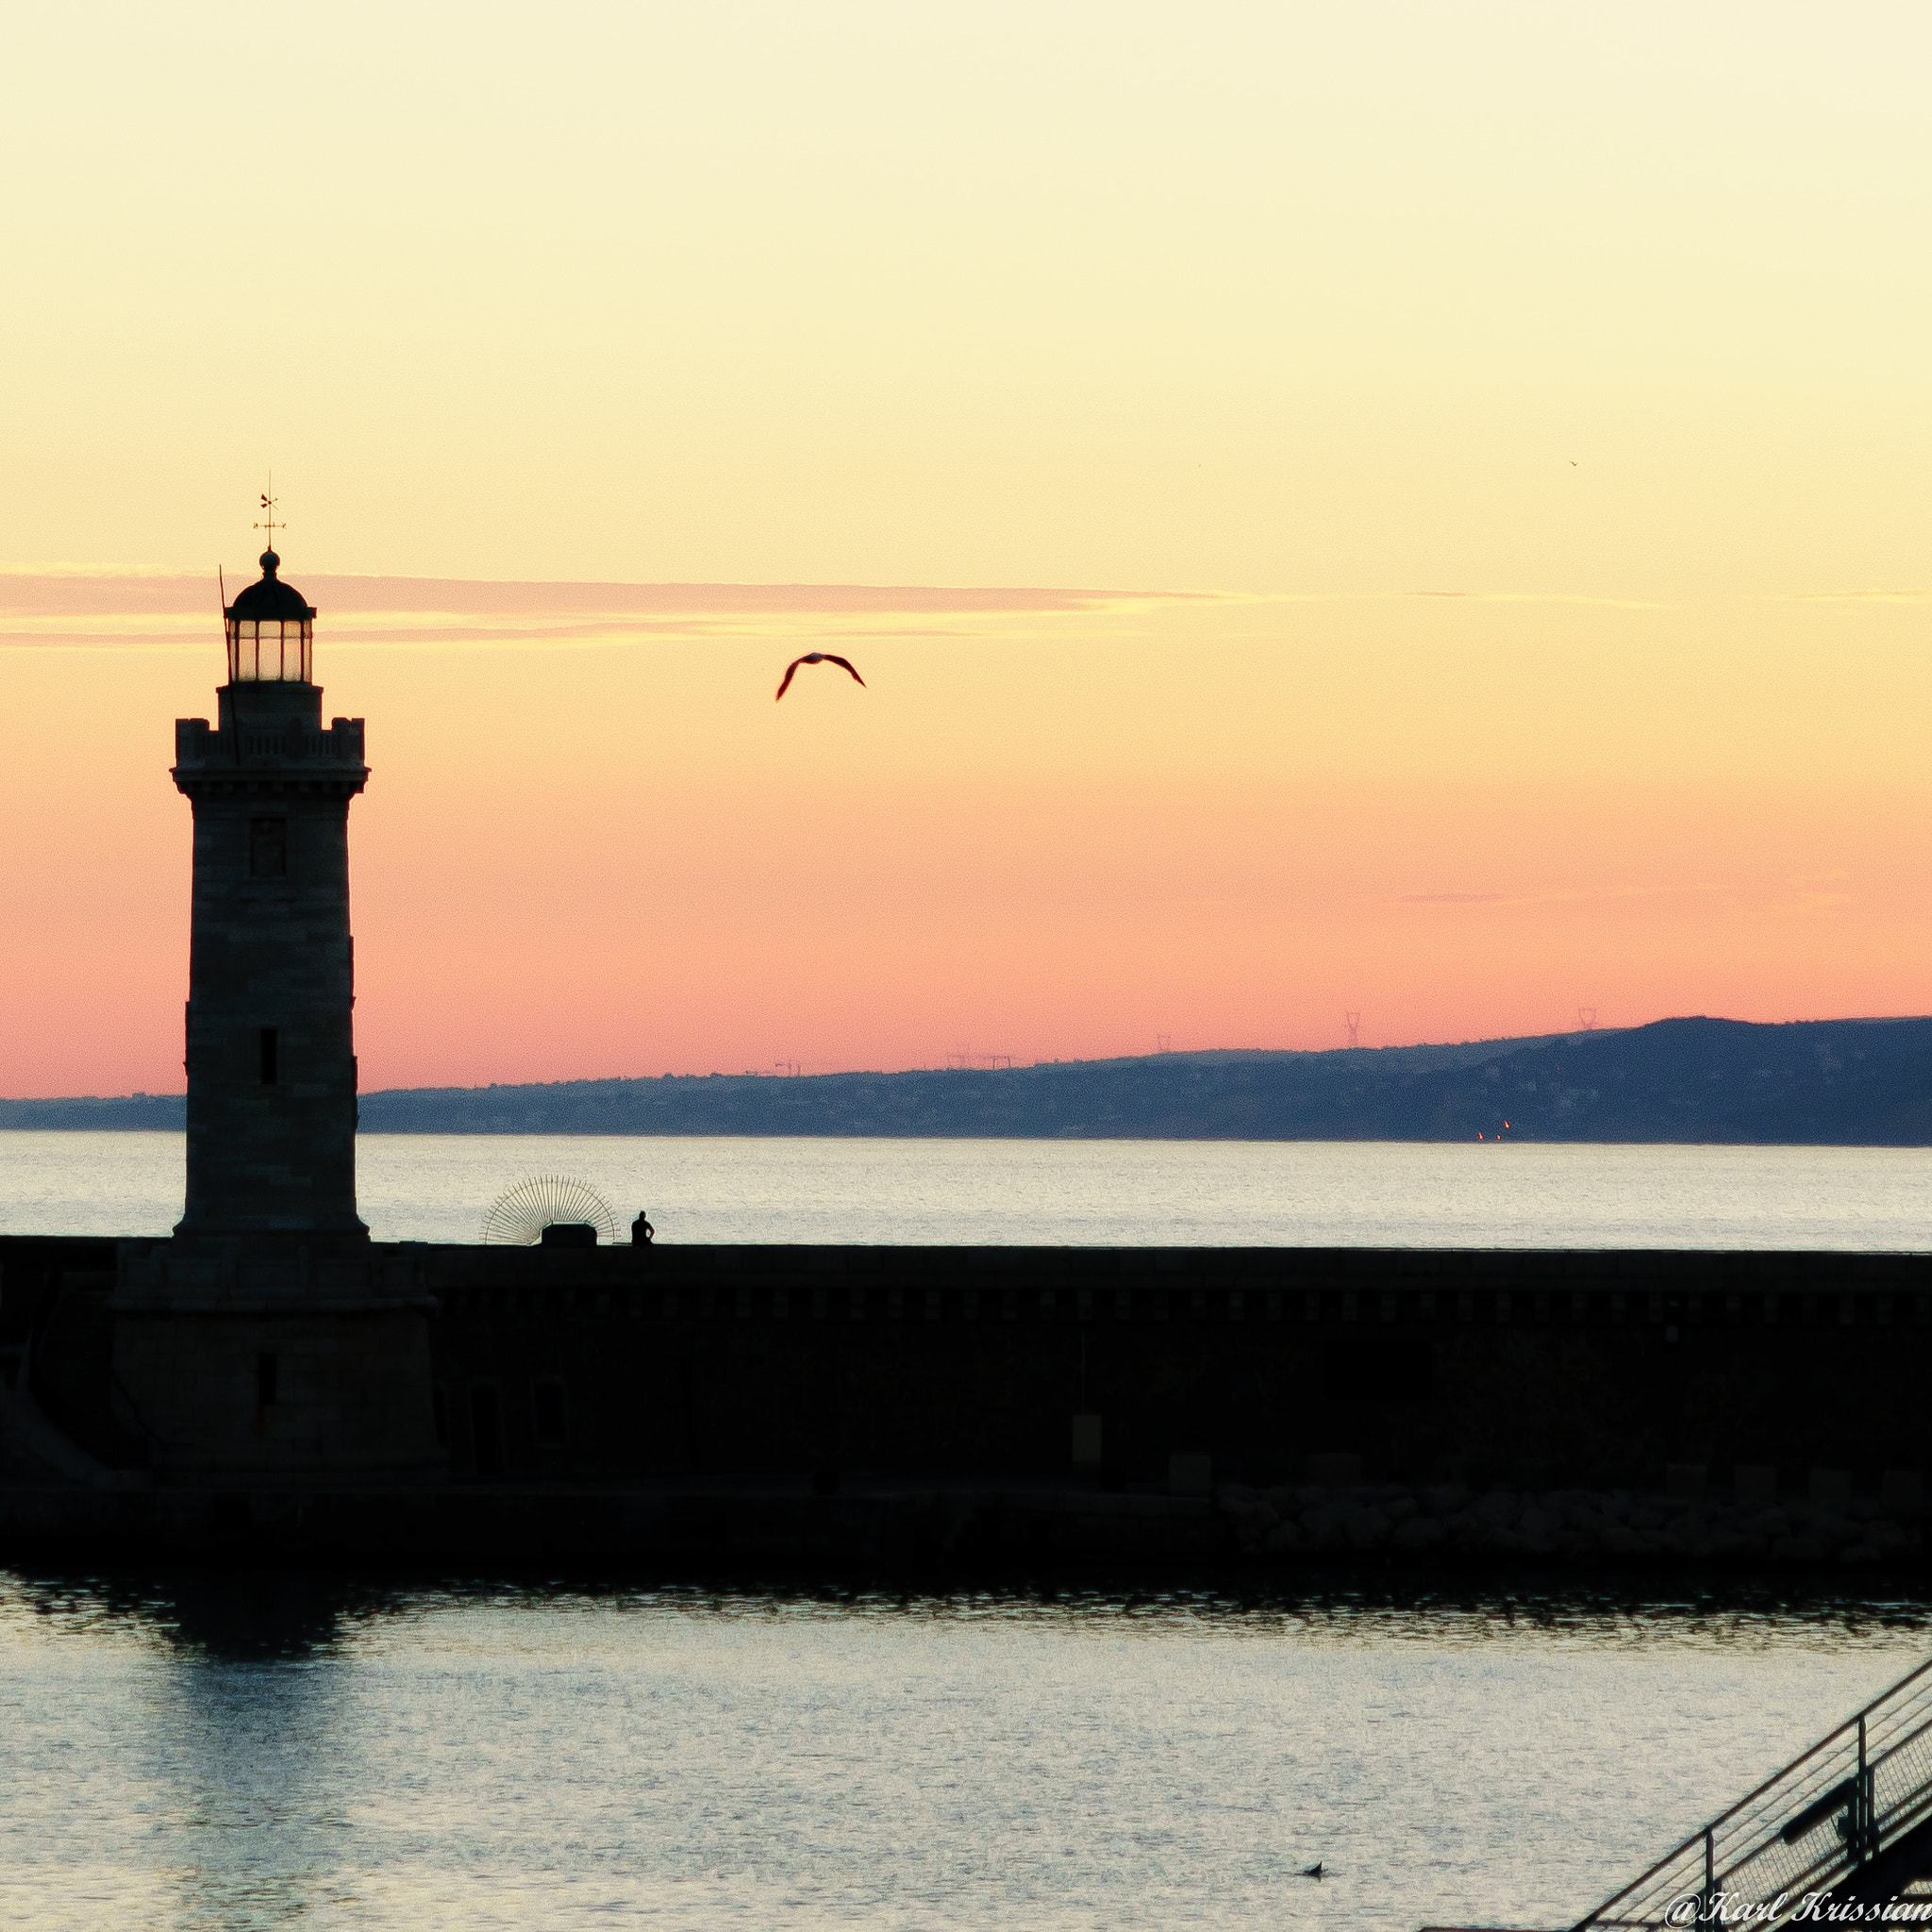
{"type": "Point", "coordinates": [271, 631]}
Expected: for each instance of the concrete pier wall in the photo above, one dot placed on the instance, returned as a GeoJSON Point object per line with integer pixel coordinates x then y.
{"type": "Point", "coordinates": [1539, 1368]}
{"type": "Point", "coordinates": [1606, 1370]}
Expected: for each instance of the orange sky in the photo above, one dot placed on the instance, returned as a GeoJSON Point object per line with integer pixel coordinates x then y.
{"type": "Point", "coordinates": [1474, 459]}
{"type": "Point", "coordinates": [1050, 825]}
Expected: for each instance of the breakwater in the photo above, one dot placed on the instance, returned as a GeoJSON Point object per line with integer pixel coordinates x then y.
{"type": "Point", "coordinates": [1271, 1403]}
{"type": "Point", "coordinates": [1538, 1370]}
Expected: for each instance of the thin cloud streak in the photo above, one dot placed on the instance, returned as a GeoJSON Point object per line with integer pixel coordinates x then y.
{"type": "Point", "coordinates": [1861, 597]}
{"type": "Point", "coordinates": [1540, 597]}
{"type": "Point", "coordinates": [123, 610]}
{"type": "Point", "coordinates": [75, 592]}
{"type": "Point", "coordinates": [118, 593]}
{"type": "Point", "coordinates": [1617, 895]}
{"type": "Point", "coordinates": [187, 634]}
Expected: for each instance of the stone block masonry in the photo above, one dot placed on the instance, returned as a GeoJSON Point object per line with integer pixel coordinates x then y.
{"type": "Point", "coordinates": [717, 1402]}
{"type": "Point", "coordinates": [264, 1342]}
{"type": "Point", "coordinates": [248, 1391]}
{"type": "Point", "coordinates": [269, 1053]}
{"type": "Point", "coordinates": [1536, 1369]}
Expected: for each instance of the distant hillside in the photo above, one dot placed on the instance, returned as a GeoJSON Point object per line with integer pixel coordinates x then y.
{"type": "Point", "coordinates": [1825, 1082]}
{"type": "Point", "coordinates": [155, 1112]}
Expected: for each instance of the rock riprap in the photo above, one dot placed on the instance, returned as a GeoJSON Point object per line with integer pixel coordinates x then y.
{"type": "Point", "coordinates": [1451, 1519]}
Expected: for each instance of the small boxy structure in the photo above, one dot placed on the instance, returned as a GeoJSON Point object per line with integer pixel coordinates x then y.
{"type": "Point", "coordinates": [266, 1339]}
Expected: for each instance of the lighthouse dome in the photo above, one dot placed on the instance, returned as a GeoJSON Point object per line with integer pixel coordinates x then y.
{"type": "Point", "coordinates": [271, 631]}
{"type": "Point", "coordinates": [271, 597]}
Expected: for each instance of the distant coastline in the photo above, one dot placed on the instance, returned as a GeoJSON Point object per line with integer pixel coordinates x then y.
{"type": "Point", "coordinates": [1808, 1083]}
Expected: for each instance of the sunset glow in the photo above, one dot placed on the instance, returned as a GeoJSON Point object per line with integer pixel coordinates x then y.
{"type": "Point", "coordinates": [1391, 508]}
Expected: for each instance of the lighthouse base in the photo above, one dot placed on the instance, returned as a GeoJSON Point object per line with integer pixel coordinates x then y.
{"type": "Point", "coordinates": [253, 1360]}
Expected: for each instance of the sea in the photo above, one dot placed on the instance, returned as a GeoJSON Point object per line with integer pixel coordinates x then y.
{"type": "Point", "coordinates": [224, 1749]}
{"type": "Point", "coordinates": [230, 1751]}
{"type": "Point", "coordinates": [1354, 1193]}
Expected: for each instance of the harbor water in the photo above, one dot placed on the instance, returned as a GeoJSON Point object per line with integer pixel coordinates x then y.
{"type": "Point", "coordinates": [437, 1187]}
{"type": "Point", "coordinates": [236, 1751]}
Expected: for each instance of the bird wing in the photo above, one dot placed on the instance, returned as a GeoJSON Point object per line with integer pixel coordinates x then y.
{"type": "Point", "coordinates": [843, 664]}
{"type": "Point", "coordinates": [790, 671]}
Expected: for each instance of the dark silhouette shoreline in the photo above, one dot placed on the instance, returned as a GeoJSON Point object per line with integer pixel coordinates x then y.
{"type": "Point", "coordinates": [1808, 1083]}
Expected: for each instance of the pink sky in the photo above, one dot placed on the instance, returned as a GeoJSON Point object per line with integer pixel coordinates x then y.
{"type": "Point", "coordinates": [1055, 824]}
{"type": "Point", "coordinates": [1469, 465]}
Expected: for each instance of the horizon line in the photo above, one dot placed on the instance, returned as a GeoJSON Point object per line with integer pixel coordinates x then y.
{"type": "Point", "coordinates": [1517, 1040]}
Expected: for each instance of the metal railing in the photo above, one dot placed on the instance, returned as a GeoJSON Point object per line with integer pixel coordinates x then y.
{"type": "Point", "coordinates": [1803, 1830]}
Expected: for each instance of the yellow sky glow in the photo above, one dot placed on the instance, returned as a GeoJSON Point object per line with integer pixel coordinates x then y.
{"type": "Point", "coordinates": [1417, 509]}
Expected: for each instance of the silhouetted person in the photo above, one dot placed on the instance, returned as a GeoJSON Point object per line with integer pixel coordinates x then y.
{"type": "Point", "coordinates": [641, 1231]}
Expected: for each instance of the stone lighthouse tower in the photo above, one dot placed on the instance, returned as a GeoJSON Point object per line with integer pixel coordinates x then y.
{"type": "Point", "coordinates": [270, 1062]}
{"type": "Point", "coordinates": [270, 1339]}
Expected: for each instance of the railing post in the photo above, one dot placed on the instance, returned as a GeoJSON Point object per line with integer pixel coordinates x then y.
{"type": "Point", "coordinates": [1710, 1872]}
{"type": "Point", "coordinates": [1864, 1808]}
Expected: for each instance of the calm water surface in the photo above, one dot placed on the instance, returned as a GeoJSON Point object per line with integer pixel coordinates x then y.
{"type": "Point", "coordinates": [240, 1752]}
{"type": "Point", "coordinates": [436, 1187]}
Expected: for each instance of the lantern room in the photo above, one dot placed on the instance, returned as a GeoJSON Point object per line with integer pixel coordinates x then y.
{"type": "Point", "coordinates": [271, 631]}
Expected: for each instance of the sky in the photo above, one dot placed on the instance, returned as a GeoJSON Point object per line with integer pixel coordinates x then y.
{"type": "Point", "coordinates": [1410, 510]}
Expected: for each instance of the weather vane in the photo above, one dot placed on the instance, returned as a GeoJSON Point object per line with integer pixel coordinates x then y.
{"type": "Point", "coordinates": [268, 503]}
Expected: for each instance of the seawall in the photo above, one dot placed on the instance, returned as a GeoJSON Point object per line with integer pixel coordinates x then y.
{"type": "Point", "coordinates": [1197, 1399]}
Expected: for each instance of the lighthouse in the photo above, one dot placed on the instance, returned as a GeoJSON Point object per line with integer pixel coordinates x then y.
{"type": "Point", "coordinates": [271, 1056]}
{"type": "Point", "coordinates": [270, 1339]}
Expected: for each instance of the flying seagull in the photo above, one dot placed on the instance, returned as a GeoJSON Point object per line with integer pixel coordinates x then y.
{"type": "Point", "coordinates": [813, 658]}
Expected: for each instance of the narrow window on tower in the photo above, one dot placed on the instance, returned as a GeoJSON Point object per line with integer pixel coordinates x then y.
{"type": "Point", "coordinates": [270, 1069]}
{"type": "Point", "coordinates": [268, 848]}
